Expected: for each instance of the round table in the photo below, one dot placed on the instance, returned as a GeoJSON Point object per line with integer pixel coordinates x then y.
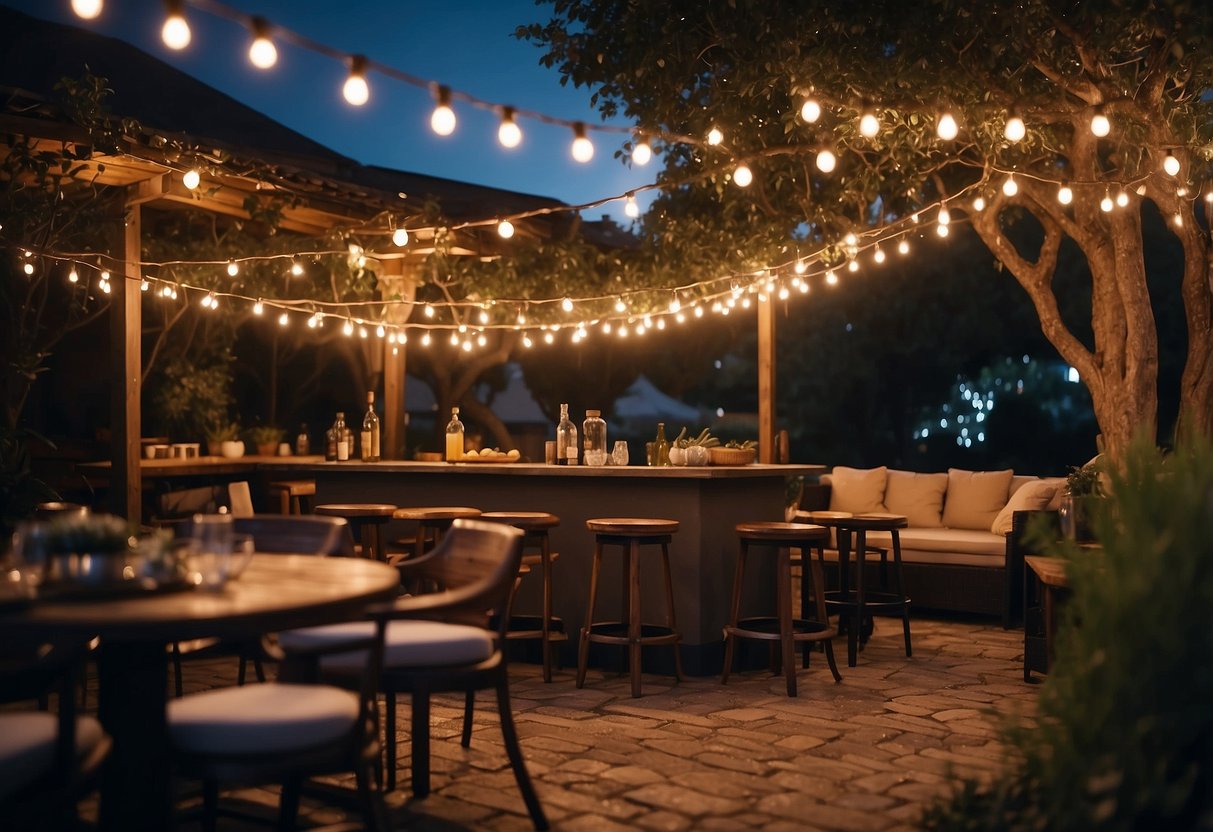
{"type": "Point", "coordinates": [276, 592]}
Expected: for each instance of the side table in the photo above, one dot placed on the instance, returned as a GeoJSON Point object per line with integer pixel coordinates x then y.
{"type": "Point", "coordinates": [1045, 590]}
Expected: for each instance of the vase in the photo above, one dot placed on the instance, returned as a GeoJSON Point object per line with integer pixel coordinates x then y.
{"type": "Point", "coordinates": [1077, 516]}
{"type": "Point", "coordinates": [231, 449]}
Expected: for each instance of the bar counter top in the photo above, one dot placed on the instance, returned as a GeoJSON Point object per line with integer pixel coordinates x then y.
{"type": "Point", "coordinates": [530, 469]}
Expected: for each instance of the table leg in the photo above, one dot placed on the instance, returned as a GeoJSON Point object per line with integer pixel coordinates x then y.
{"type": "Point", "coordinates": [136, 789]}
{"type": "Point", "coordinates": [853, 632]}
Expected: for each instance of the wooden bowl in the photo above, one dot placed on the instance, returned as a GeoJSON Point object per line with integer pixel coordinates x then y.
{"type": "Point", "coordinates": [733, 456]}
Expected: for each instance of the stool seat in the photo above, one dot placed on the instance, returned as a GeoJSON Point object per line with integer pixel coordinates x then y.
{"type": "Point", "coordinates": [365, 520]}
{"type": "Point", "coordinates": [876, 522]}
{"type": "Point", "coordinates": [528, 521]}
{"type": "Point", "coordinates": [292, 493]}
{"type": "Point", "coordinates": [631, 526]}
{"type": "Point", "coordinates": [439, 513]}
{"type": "Point", "coordinates": [827, 518]}
{"type": "Point", "coordinates": [783, 531]}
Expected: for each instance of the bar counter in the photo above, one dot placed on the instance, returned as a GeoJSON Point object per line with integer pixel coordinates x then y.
{"type": "Point", "coordinates": [707, 501]}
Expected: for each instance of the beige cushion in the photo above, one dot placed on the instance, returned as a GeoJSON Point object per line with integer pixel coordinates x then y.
{"type": "Point", "coordinates": [405, 644]}
{"type": "Point", "coordinates": [918, 496]}
{"type": "Point", "coordinates": [959, 541]}
{"type": "Point", "coordinates": [1019, 481]}
{"type": "Point", "coordinates": [261, 719]}
{"type": "Point", "coordinates": [1034, 496]}
{"type": "Point", "coordinates": [27, 745]}
{"type": "Point", "coordinates": [975, 497]}
{"type": "Point", "coordinates": [858, 490]}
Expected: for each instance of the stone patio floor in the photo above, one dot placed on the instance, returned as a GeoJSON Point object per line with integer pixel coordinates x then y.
{"type": "Point", "coordinates": [868, 753]}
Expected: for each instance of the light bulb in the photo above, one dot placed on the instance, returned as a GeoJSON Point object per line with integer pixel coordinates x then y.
{"type": "Point", "coordinates": [801, 267]}
{"type": "Point", "coordinates": [232, 268]}
{"type": "Point", "coordinates": [945, 216]}
{"type": "Point", "coordinates": [191, 179]}
{"type": "Point", "coordinates": [1122, 199]}
{"type": "Point", "coordinates": [878, 255]}
{"type": "Point", "coordinates": [73, 276]}
{"type": "Point", "coordinates": [869, 125]}
{"type": "Point", "coordinates": [642, 153]}
{"type": "Point", "coordinates": [258, 308]}
{"type": "Point", "coordinates": [1064, 195]}
{"type": "Point", "coordinates": [442, 120]}
{"type": "Point", "coordinates": [484, 316]}
{"type": "Point", "coordinates": [742, 176]}
{"type": "Point", "coordinates": [1105, 204]}
{"type": "Point", "coordinates": [28, 268]}
{"type": "Point", "coordinates": [296, 268]}
{"type": "Point", "coordinates": [1100, 126]}
{"type": "Point", "coordinates": [283, 319]}
{"type": "Point", "coordinates": [86, 9]}
{"type": "Point", "coordinates": [583, 148]}
{"type": "Point", "coordinates": [853, 266]}
{"type": "Point", "coordinates": [509, 133]}
{"type": "Point", "coordinates": [1009, 186]}
{"type": "Point", "coordinates": [429, 310]}
{"type": "Point", "coordinates": [1170, 164]}
{"type": "Point", "coordinates": [548, 337]}
{"type": "Point", "coordinates": [380, 330]}
{"type": "Point", "coordinates": [400, 237]}
{"type": "Point", "coordinates": [426, 340]}
{"type": "Point", "coordinates": [715, 136]}
{"type": "Point", "coordinates": [831, 278]}
{"type": "Point", "coordinates": [348, 327]}
{"type": "Point", "coordinates": [176, 31]}
{"type": "Point", "coordinates": [903, 247]}
{"type": "Point", "coordinates": [941, 230]}
{"type": "Point", "coordinates": [946, 128]}
{"type": "Point", "coordinates": [810, 110]}
{"type": "Point", "coordinates": [826, 160]}
{"type": "Point", "coordinates": [356, 89]}
{"type": "Point", "coordinates": [1014, 129]}
{"type": "Point", "coordinates": [620, 306]}
{"type": "Point", "coordinates": [262, 52]}
{"type": "Point", "coordinates": [979, 203]}
{"type": "Point", "coordinates": [631, 208]}
{"type": "Point", "coordinates": [505, 229]}
{"type": "Point", "coordinates": [567, 304]}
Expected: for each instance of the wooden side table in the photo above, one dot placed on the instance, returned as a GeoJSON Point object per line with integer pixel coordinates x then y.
{"type": "Point", "coordinates": [1045, 590]}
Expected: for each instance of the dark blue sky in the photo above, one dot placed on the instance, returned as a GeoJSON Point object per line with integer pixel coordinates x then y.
{"type": "Point", "coordinates": [467, 44]}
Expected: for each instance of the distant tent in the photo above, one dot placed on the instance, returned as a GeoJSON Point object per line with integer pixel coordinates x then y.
{"type": "Point", "coordinates": [644, 403]}
{"type": "Point", "coordinates": [514, 405]}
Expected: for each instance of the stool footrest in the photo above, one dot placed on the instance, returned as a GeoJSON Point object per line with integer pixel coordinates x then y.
{"type": "Point", "coordinates": [870, 599]}
{"type": "Point", "coordinates": [768, 628]}
{"type": "Point", "coordinates": [616, 632]}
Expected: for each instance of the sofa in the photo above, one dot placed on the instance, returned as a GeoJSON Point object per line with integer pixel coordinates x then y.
{"type": "Point", "coordinates": [964, 546]}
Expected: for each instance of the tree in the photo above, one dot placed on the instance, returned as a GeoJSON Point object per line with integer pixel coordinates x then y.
{"type": "Point", "coordinates": [748, 68]}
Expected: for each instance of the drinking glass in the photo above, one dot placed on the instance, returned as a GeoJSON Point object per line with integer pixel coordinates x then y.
{"type": "Point", "coordinates": [619, 453]}
{"type": "Point", "coordinates": [211, 550]}
{"type": "Point", "coordinates": [31, 552]}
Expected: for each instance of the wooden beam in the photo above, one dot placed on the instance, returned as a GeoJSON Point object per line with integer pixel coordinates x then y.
{"type": "Point", "coordinates": [399, 280]}
{"type": "Point", "coordinates": [126, 328]}
{"type": "Point", "coordinates": [766, 380]}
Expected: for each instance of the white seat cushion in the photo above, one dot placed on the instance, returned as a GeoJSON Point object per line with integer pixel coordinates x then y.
{"type": "Point", "coordinates": [27, 746]}
{"type": "Point", "coordinates": [261, 719]}
{"type": "Point", "coordinates": [943, 540]}
{"type": "Point", "coordinates": [405, 644]}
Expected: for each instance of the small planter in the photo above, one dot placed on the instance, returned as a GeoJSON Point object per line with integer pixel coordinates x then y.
{"type": "Point", "coordinates": [267, 448]}
{"type": "Point", "coordinates": [231, 449]}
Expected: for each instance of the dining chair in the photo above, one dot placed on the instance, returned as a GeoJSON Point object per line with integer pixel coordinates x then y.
{"type": "Point", "coordinates": [288, 730]}
{"type": "Point", "coordinates": [442, 642]}
{"type": "Point", "coordinates": [271, 533]}
{"type": "Point", "coordinates": [48, 761]}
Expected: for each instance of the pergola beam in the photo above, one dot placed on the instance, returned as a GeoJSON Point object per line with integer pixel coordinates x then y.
{"type": "Point", "coordinates": [126, 368]}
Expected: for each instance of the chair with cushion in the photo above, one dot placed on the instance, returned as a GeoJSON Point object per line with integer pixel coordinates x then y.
{"type": "Point", "coordinates": [441, 642]}
{"type": "Point", "coordinates": [287, 731]}
{"type": "Point", "coordinates": [48, 761]}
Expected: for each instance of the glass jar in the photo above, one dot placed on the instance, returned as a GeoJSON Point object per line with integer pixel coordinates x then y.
{"type": "Point", "coordinates": [593, 431]}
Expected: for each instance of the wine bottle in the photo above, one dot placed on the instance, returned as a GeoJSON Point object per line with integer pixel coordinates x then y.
{"type": "Point", "coordinates": [302, 443]}
{"type": "Point", "coordinates": [661, 446]}
{"type": "Point", "coordinates": [370, 430]}
{"type": "Point", "coordinates": [454, 437]}
{"type": "Point", "coordinates": [343, 443]}
{"type": "Point", "coordinates": [567, 448]}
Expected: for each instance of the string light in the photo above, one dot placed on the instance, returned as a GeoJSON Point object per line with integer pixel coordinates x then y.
{"type": "Point", "coordinates": [347, 328]}
{"type": "Point", "coordinates": [258, 307]}
{"type": "Point", "coordinates": [1170, 164]}
{"type": "Point", "coordinates": [1064, 195]}
{"type": "Point", "coordinates": [233, 268]}
{"type": "Point", "coordinates": [86, 9]}
{"type": "Point", "coordinates": [979, 203]}
{"type": "Point", "coordinates": [1122, 199]}
{"type": "Point", "coordinates": [945, 216]}
{"type": "Point", "coordinates": [429, 310]}
{"type": "Point", "coordinates": [426, 340]}
{"type": "Point", "coordinates": [946, 128]}
{"type": "Point", "coordinates": [810, 110]}
{"type": "Point", "coordinates": [878, 255]}
{"type": "Point", "coordinates": [28, 268]}
{"type": "Point", "coordinates": [567, 304]}
{"type": "Point", "coordinates": [801, 267]}
{"type": "Point", "coordinates": [442, 119]}
{"type": "Point", "coordinates": [73, 276]}
{"type": "Point", "coordinates": [642, 152]}
{"type": "Point", "coordinates": [826, 160]}
{"type": "Point", "coordinates": [176, 30]}
{"type": "Point", "coordinates": [903, 247]}
{"type": "Point", "coordinates": [505, 229]}
{"type": "Point", "coordinates": [631, 208]}
{"type": "Point", "coordinates": [1100, 126]}
{"type": "Point", "coordinates": [261, 52]}
{"type": "Point", "coordinates": [380, 331]}
{"type": "Point", "coordinates": [742, 176]}
{"type": "Point", "coordinates": [1009, 186]}
{"type": "Point", "coordinates": [1105, 204]}
{"type": "Point", "coordinates": [869, 125]}
{"type": "Point", "coordinates": [509, 133]}
{"type": "Point", "coordinates": [1014, 130]}
{"type": "Point", "coordinates": [400, 237]}
{"type": "Point", "coordinates": [356, 90]}
{"type": "Point", "coordinates": [583, 148]}
{"type": "Point", "coordinates": [283, 319]}
{"type": "Point", "coordinates": [191, 179]}
{"type": "Point", "coordinates": [832, 278]}
{"type": "Point", "coordinates": [715, 137]}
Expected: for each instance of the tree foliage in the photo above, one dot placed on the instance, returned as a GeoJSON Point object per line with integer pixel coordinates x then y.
{"type": "Point", "coordinates": [745, 67]}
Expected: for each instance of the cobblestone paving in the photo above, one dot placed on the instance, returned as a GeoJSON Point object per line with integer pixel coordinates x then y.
{"type": "Point", "coordinates": [865, 754]}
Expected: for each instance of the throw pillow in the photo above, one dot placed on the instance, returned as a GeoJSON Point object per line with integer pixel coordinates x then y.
{"type": "Point", "coordinates": [918, 496]}
{"type": "Point", "coordinates": [858, 490]}
{"type": "Point", "coordinates": [1033, 496]}
{"type": "Point", "coordinates": [975, 497]}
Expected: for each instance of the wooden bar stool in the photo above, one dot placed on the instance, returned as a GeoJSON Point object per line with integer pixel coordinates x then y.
{"type": "Point", "coordinates": [630, 533]}
{"type": "Point", "coordinates": [432, 522]}
{"type": "Point", "coordinates": [785, 629]}
{"type": "Point", "coordinates": [294, 496]}
{"type": "Point", "coordinates": [366, 520]}
{"type": "Point", "coordinates": [536, 551]}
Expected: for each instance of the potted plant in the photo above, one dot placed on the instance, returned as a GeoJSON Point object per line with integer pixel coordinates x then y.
{"type": "Point", "coordinates": [223, 439]}
{"type": "Point", "coordinates": [1083, 485]}
{"type": "Point", "coordinates": [265, 439]}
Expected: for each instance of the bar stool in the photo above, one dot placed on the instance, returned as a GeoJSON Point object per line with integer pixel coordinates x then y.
{"type": "Point", "coordinates": [432, 522]}
{"type": "Point", "coordinates": [785, 629]}
{"type": "Point", "coordinates": [366, 520]}
{"type": "Point", "coordinates": [862, 601]}
{"type": "Point", "coordinates": [630, 533]}
{"type": "Point", "coordinates": [294, 496]}
{"type": "Point", "coordinates": [535, 525]}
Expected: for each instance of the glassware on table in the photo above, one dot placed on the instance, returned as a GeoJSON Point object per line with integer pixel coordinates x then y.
{"type": "Point", "coordinates": [32, 552]}
{"type": "Point", "coordinates": [243, 548]}
{"type": "Point", "coordinates": [594, 432]}
{"type": "Point", "coordinates": [210, 555]}
{"type": "Point", "coordinates": [619, 454]}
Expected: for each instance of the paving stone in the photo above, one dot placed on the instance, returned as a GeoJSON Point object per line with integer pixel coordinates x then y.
{"type": "Point", "coordinates": [684, 800]}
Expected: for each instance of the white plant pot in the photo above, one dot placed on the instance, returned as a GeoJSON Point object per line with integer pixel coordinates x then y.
{"type": "Point", "coordinates": [232, 449]}
{"type": "Point", "coordinates": [678, 456]}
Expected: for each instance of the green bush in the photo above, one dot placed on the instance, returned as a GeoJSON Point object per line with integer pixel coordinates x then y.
{"type": "Point", "coordinates": [1123, 738]}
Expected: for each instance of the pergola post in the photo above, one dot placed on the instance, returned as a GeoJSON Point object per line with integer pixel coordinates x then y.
{"type": "Point", "coordinates": [126, 367]}
{"type": "Point", "coordinates": [399, 282]}
{"type": "Point", "coordinates": [766, 380]}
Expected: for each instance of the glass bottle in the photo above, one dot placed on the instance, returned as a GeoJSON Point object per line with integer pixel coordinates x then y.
{"type": "Point", "coordinates": [594, 433]}
{"type": "Point", "coordinates": [566, 439]}
{"type": "Point", "coordinates": [330, 443]}
{"type": "Point", "coordinates": [454, 437]}
{"type": "Point", "coordinates": [303, 445]}
{"type": "Point", "coordinates": [370, 430]}
{"type": "Point", "coordinates": [341, 431]}
{"type": "Point", "coordinates": [661, 446]}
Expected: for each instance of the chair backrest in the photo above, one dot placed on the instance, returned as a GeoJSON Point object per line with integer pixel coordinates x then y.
{"type": "Point", "coordinates": [474, 567]}
{"type": "Point", "coordinates": [282, 533]}
{"type": "Point", "coordinates": [240, 499]}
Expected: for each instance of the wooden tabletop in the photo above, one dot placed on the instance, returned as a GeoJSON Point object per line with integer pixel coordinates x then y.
{"type": "Point", "coordinates": [199, 466]}
{"type": "Point", "coordinates": [275, 592]}
{"type": "Point", "coordinates": [1051, 571]}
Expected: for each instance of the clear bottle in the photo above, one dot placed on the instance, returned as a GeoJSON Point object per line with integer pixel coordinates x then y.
{"type": "Point", "coordinates": [454, 437]}
{"type": "Point", "coordinates": [303, 445]}
{"type": "Point", "coordinates": [342, 434]}
{"type": "Point", "coordinates": [593, 431]}
{"type": "Point", "coordinates": [661, 446]}
{"type": "Point", "coordinates": [331, 438]}
{"type": "Point", "coordinates": [370, 430]}
{"type": "Point", "coordinates": [567, 447]}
